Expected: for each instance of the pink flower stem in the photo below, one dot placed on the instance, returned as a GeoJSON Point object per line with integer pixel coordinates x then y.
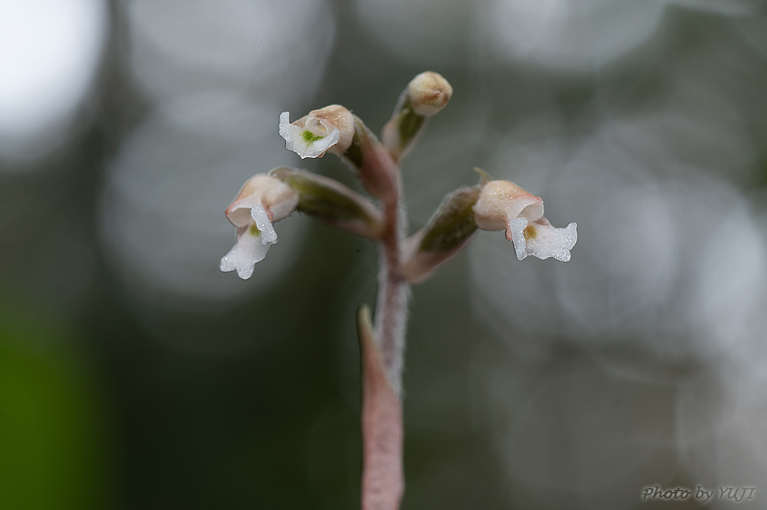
{"type": "Point", "coordinates": [382, 429]}
{"type": "Point", "coordinates": [393, 293]}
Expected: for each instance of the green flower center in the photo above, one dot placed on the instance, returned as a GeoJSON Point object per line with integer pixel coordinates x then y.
{"type": "Point", "coordinates": [310, 137]}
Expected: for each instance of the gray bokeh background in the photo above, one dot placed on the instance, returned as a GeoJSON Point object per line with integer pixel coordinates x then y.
{"type": "Point", "coordinates": [133, 374]}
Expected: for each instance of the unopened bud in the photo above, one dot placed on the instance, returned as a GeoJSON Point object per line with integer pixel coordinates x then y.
{"type": "Point", "coordinates": [328, 129]}
{"type": "Point", "coordinates": [429, 92]}
{"type": "Point", "coordinates": [447, 232]}
{"type": "Point", "coordinates": [425, 95]}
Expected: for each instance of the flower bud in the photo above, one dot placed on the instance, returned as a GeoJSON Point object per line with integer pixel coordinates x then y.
{"type": "Point", "coordinates": [503, 205]}
{"type": "Point", "coordinates": [425, 95]}
{"type": "Point", "coordinates": [261, 201]}
{"type": "Point", "coordinates": [429, 92]}
{"type": "Point", "coordinates": [447, 232]}
{"type": "Point", "coordinates": [327, 129]}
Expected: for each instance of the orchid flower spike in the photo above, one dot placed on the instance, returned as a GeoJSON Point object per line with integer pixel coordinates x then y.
{"type": "Point", "coordinates": [503, 205]}
{"type": "Point", "coordinates": [327, 129]}
{"type": "Point", "coordinates": [261, 201]}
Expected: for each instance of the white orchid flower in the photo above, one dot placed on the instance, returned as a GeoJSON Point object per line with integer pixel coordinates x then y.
{"type": "Point", "coordinates": [262, 201]}
{"type": "Point", "coordinates": [503, 205]}
{"type": "Point", "coordinates": [327, 129]}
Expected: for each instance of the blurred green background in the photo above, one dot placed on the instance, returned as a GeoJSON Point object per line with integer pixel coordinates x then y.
{"type": "Point", "coordinates": [133, 374]}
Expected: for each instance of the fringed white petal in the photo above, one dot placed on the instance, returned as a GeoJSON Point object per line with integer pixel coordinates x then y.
{"type": "Point", "coordinates": [261, 217]}
{"type": "Point", "coordinates": [542, 240]}
{"type": "Point", "coordinates": [516, 233]}
{"type": "Point", "coordinates": [247, 252]}
{"type": "Point", "coordinates": [295, 141]}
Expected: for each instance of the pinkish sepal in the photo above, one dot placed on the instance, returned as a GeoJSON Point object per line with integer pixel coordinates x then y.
{"type": "Point", "coordinates": [378, 172]}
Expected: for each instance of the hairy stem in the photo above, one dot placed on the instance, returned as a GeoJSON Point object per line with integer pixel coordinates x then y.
{"type": "Point", "coordinates": [382, 478]}
{"type": "Point", "coordinates": [382, 429]}
{"type": "Point", "coordinates": [393, 292]}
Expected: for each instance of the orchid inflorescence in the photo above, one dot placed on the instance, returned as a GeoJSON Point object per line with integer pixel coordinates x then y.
{"type": "Point", "coordinates": [490, 205]}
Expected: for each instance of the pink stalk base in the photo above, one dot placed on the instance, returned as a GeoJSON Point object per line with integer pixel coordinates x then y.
{"type": "Point", "coordinates": [382, 479]}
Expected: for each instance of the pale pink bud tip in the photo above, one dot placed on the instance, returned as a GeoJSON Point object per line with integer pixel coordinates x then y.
{"type": "Point", "coordinates": [327, 129]}
{"type": "Point", "coordinates": [429, 92]}
{"type": "Point", "coordinates": [261, 201]}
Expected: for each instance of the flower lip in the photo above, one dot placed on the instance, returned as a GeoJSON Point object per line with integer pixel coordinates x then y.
{"type": "Point", "coordinates": [541, 239]}
{"type": "Point", "coordinates": [246, 253]}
